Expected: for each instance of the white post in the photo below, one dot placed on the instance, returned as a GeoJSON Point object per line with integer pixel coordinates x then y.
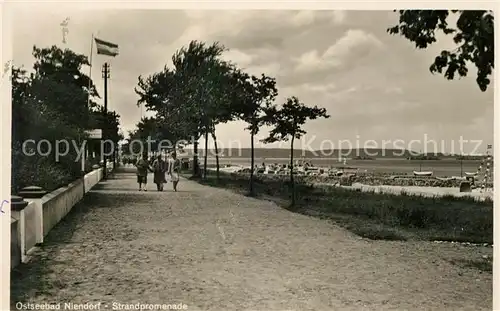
{"type": "Point", "coordinates": [18, 204]}
{"type": "Point", "coordinates": [35, 194]}
{"type": "Point", "coordinates": [83, 158]}
{"type": "Point", "coordinates": [19, 215]}
{"type": "Point", "coordinates": [22, 222]}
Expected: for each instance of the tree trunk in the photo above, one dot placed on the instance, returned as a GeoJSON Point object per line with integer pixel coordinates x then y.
{"type": "Point", "coordinates": [292, 183]}
{"type": "Point", "coordinates": [206, 155]}
{"type": "Point", "coordinates": [251, 163]}
{"type": "Point", "coordinates": [196, 169]}
{"type": "Point", "coordinates": [214, 137]}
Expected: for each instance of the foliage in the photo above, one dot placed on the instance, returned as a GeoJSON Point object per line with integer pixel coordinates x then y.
{"type": "Point", "coordinates": [109, 122]}
{"type": "Point", "coordinates": [160, 93]}
{"type": "Point", "coordinates": [148, 129]}
{"type": "Point", "coordinates": [473, 33]}
{"type": "Point", "coordinates": [287, 122]}
{"type": "Point", "coordinates": [252, 97]}
{"type": "Point", "coordinates": [256, 95]}
{"type": "Point", "coordinates": [52, 103]}
{"type": "Point", "coordinates": [194, 96]}
{"type": "Point", "coordinates": [201, 90]}
{"type": "Point", "coordinates": [179, 95]}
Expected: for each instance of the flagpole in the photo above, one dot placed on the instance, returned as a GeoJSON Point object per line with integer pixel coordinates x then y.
{"type": "Point", "coordinates": [90, 70]}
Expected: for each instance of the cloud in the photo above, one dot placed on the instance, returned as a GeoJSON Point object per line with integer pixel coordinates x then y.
{"type": "Point", "coordinates": [303, 18]}
{"type": "Point", "coordinates": [354, 45]}
{"type": "Point", "coordinates": [316, 89]}
{"type": "Point", "coordinates": [339, 16]}
{"type": "Point", "coordinates": [308, 18]}
{"type": "Point", "coordinates": [371, 83]}
{"type": "Point", "coordinates": [238, 57]}
{"type": "Point", "coordinates": [262, 29]}
{"type": "Point", "coordinates": [325, 88]}
{"type": "Point", "coordinates": [394, 89]}
{"type": "Point", "coordinates": [269, 69]}
{"type": "Point", "coordinates": [310, 61]}
{"type": "Point", "coordinates": [353, 40]}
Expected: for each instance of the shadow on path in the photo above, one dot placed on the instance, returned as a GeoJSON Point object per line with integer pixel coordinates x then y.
{"type": "Point", "coordinates": [29, 280]}
{"type": "Point", "coordinates": [213, 249]}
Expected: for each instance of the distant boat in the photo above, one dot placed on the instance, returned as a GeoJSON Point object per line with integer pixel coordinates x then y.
{"type": "Point", "coordinates": [422, 173]}
{"type": "Point", "coordinates": [470, 174]}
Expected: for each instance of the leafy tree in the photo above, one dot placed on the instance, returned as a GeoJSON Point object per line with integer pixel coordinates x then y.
{"type": "Point", "coordinates": [189, 98]}
{"type": "Point", "coordinates": [55, 67]}
{"type": "Point", "coordinates": [198, 67]}
{"type": "Point", "coordinates": [219, 106]}
{"type": "Point", "coordinates": [23, 112]}
{"type": "Point", "coordinates": [50, 103]}
{"type": "Point", "coordinates": [287, 125]}
{"type": "Point", "coordinates": [253, 96]}
{"type": "Point", "coordinates": [129, 148]}
{"type": "Point", "coordinates": [160, 93]}
{"type": "Point", "coordinates": [473, 33]}
{"type": "Point", "coordinates": [148, 129]}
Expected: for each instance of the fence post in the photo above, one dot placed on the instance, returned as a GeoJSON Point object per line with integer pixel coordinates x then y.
{"type": "Point", "coordinates": [17, 205]}
{"type": "Point", "coordinates": [34, 194]}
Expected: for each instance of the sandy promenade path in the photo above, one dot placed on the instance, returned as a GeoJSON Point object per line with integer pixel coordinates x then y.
{"type": "Point", "coordinates": [212, 249]}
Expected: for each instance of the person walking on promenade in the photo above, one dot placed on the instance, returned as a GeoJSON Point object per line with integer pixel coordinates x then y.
{"type": "Point", "coordinates": [142, 166]}
{"type": "Point", "coordinates": [159, 170]}
{"type": "Point", "coordinates": [174, 168]}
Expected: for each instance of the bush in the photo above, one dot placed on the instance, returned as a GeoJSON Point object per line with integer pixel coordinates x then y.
{"type": "Point", "coordinates": [44, 171]}
{"type": "Point", "coordinates": [38, 172]}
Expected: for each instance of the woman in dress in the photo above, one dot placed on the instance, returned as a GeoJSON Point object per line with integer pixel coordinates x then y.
{"type": "Point", "coordinates": [142, 166]}
{"type": "Point", "coordinates": [174, 169]}
{"type": "Point", "coordinates": [159, 169]}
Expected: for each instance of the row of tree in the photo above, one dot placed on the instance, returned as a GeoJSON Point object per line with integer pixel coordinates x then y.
{"type": "Point", "coordinates": [51, 103]}
{"type": "Point", "coordinates": [202, 90]}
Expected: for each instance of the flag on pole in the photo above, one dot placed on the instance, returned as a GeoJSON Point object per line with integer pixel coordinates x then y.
{"type": "Point", "coordinates": [106, 48]}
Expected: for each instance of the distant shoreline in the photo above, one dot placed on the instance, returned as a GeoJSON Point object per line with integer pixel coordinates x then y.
{"type": "Point", "coordinates": [348, 159]}
{"type": "Point", "coordinates": [440, 168]}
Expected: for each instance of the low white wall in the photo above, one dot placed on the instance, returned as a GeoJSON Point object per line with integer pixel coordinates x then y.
{"type": "Point", "coordinates": [58, 203]}
{"type": "Point", "coordinates": [413, 190]}
{"type": "Point", "coordinates": [425, 191]}
{"type": "Point", "coordinates": [29, 226]}
{"type": "Point", "coordinates": [91, 179]}
{"type": "Point", "coordinates": [30, 231]}
{"type": "Point", "coordinates": [15, 243]}
{"type": "Point", "coordinates": [100, 174]}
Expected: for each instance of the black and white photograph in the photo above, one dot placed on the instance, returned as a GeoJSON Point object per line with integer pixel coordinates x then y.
{"type": "Point", "coordinates": [251, 159]}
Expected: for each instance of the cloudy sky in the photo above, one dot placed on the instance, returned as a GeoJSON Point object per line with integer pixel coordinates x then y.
{"type": "Point", "coordinates": [375, 86]}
